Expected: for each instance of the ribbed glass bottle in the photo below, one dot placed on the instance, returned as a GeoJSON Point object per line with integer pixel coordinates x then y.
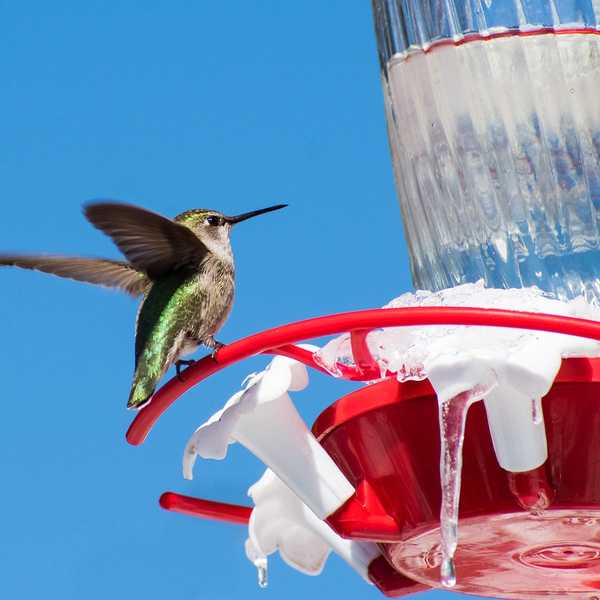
{"type": "Point", "coordinates": [493, 113]}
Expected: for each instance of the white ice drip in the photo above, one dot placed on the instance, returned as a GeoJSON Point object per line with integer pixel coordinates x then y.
{"type": "Point", "coordinates": [263, 418]}
{"type": "Point", "coordinates": [510, 369]}
{"type": "Point", "coordinates": [281, 521]}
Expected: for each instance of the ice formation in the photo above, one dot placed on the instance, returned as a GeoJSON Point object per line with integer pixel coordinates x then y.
{"type": "Point", "coordinates": [281, 521]}
{"type": "Point", "coordinates": [509, 369]}
{"type": "Point", "coordinates": [407, 350]}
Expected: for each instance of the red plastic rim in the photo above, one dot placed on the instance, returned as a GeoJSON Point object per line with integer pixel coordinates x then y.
{"type": "Point", "coordinates": [279, 340]}
{"type": "Point", "coordinates": [480, 37]}
{"type": "Point", "coordinates": [572, 370]}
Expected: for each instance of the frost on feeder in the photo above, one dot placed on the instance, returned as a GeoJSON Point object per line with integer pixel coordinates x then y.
{"type": "Point", "coordinates": [470, 457]}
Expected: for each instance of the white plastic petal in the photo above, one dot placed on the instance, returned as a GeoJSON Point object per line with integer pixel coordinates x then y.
{"type": "Point", "coordinates": [280, 521]}
{"type": "Point", "coordinates": [264, 420]}
{"type": "Point", "coordinates": [211, 439]}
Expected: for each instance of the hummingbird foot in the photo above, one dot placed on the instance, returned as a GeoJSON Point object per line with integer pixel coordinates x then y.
{"type": "Point", "coordinates": [215, 346]}
{"type": "Point", "coordinates": [179, 364]}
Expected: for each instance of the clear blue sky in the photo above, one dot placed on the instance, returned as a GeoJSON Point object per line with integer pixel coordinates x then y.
{"type": "Point", "coordinates": [231, 105]}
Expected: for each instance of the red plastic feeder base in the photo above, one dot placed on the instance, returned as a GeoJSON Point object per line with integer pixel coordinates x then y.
{"type": "Point", "coordinates": [384, 438]}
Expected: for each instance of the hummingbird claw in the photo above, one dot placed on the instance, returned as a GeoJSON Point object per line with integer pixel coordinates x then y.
{"type": "Point", "coordinates": [214, 345]}
{"type": "Point", "coordinates": [179, 364]}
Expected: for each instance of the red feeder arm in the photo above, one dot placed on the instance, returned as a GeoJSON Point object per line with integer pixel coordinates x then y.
{"type": "Point", "coordinates": [207, 509]}
{"type": "Point", "coordinates": [278, 340]}
{"type": "Point", "coordinates": [347, 427]}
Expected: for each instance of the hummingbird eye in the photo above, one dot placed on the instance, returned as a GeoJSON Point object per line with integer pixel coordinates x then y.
{"type": "Point", "coordinates": [212, 220]}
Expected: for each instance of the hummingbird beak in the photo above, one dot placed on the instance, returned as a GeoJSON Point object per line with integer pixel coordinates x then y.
{"type": "Point", "coordinates": [253, 213]}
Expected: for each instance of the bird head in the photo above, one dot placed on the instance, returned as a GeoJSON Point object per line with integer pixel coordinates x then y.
{"type": "Point", "coordinates": [213, 227]}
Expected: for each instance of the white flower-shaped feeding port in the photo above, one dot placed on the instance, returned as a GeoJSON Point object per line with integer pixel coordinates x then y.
{"type": "Point", "coordinates": [262, 417]}
{"type": "Point", "coordinates": [281, 521]}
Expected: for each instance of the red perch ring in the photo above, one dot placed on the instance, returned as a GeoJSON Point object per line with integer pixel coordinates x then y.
{"type": "Point", "coordinates": [279, 339]}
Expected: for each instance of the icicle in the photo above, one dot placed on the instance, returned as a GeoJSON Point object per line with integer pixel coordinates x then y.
{"type": "Point", "coordinates": [452, 415]}
{"type": "Point", "coordinates": [262, 567]}
{"type": "Point", "coordinates": [259, 559]}
{"type": "Point", "coordinates": [448, 572]}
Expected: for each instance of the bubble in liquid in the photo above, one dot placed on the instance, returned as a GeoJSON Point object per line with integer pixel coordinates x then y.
{"type": "Point", "coordinates": [537, 415]}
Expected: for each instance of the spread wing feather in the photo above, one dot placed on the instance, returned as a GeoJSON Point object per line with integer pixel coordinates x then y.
{"type": "Point", "coordinates": [150, 242]}
{"type": "Point", "coordinates": [108, 273]}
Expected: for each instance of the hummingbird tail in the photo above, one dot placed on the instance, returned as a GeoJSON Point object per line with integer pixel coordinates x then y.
{"type": "Point", "coordinates": [140, 394]}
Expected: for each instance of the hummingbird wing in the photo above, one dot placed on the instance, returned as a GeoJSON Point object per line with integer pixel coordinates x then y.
{"type": "Point", "coordinates": [150, 242]}
{"type": "Point", "coordinates": [108, 273]}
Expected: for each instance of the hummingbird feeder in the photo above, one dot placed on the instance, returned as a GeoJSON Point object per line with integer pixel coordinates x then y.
{"type": "Point", "coordinates": [494, 127]}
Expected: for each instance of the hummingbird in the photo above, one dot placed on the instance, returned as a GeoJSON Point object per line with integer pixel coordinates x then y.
{"type": "Point", "coordinates": [183, 268]}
